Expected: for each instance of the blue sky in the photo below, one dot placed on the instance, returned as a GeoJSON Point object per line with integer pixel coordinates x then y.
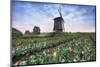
{"type": "Point", "coordinates": [78, 18]}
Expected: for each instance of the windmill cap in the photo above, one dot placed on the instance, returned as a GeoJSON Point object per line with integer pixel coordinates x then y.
{"type": "Point", "coordinates": [58, 18]}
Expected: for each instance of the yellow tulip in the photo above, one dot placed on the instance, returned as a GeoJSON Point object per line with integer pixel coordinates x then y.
{"type": "Point", "coordinates": [54, 54]}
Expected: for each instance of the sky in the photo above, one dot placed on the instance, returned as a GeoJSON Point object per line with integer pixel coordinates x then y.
{"type": "Point", "coordinates": [77, 18]}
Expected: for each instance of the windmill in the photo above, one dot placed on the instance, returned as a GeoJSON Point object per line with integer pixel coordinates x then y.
{"type": "Point", "coordinates": [59, 22]}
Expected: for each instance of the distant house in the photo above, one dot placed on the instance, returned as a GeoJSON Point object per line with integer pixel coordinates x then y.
{"type": "Point", "coordinates": [16, 33]}
{"type": "Point", "coordinates": [36, 29]}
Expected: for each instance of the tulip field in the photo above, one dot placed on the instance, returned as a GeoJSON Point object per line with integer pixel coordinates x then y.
{"type": "Point", "coordinates": [70, 48]}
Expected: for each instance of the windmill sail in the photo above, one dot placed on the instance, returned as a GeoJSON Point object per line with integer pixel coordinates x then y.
{"type": "Point", "coordinates": [59, 10]}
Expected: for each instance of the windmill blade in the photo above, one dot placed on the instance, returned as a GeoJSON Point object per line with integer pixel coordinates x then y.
{"type": "Point", "coordinates": [59, 10]}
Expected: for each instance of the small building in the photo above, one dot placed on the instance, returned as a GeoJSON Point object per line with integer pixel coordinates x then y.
{"type": "Point", "coordinates": [16, 33]}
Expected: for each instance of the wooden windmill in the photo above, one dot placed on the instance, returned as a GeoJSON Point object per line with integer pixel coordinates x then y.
{"type": "Point", "coordinates": [59, 23]}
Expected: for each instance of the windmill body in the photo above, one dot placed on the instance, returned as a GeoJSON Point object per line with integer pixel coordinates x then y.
{"type": "Point", "coordinates": [58, 24]}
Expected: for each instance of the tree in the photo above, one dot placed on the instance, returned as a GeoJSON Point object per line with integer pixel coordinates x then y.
{"type": "Point", "coordinates": [36, 29]}
{"type": "Point", "coordinates": [27, 32]}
